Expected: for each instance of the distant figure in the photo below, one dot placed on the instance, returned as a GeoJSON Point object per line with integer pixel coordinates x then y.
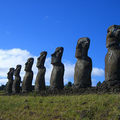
{"type": "Point", "coordinates": [17, 81]}
{"type": "Point", "coordinates": [27, 80]}
{"type": "Point", "coordinates": [56, 80]}
{"type": "Point", "coordinates": [10, 80]}
{"type": "Point", "coordinates": [40, 78]}
{"type": "Point", "coordinates": [83, 67]}
{"type": "Point", "coordinates": [112, 58]}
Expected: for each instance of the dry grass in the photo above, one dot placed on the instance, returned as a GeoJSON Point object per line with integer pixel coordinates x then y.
{"type": "Point", "coordinates": [76, 107]}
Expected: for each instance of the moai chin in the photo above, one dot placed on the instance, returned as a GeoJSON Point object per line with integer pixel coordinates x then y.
{"type": "Point", "coordinates": [112, 58]}
{"type": "Point", "coordinates": [10, 80]}
{"type": "Point", "coordinates": [17, 81]}
{"type": "Point", "coordinates": [83, 67]}
{"type": "Point", "coordinates": [56, 80]}
{"type": "Point", "coordinates": [40, 78]}
{"type": "Point", "coordinates": [27, 80]}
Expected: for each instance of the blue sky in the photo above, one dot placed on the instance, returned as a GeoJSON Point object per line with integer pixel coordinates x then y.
{"type": "Point", "coordinates": [28, 27]}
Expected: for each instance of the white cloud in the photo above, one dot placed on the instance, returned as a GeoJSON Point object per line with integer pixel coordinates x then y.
{"type": "Point", "coordinates": [65, 81]}
{"type": "Point", "coordinates": [69, 70]}
{"type": "Point", "coordinates": [13, 57]}
{"type": "Point", "coordinates": [10, 58]}
{"type": "Point", "coordinates": [48, 70]}
{"type": "Point", "coordinates": [94, 82]}
{"type": "Point", "coordinates": [3, 81]}
{"type": "Point", "coordinates": [97, 72]}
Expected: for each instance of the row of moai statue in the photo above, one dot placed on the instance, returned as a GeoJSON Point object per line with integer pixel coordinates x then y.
{"type": "Point", "coordinates": [82, 70]}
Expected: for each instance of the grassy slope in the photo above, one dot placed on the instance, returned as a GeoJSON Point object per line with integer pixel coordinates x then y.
{"type": "Point", "coordinates": [82, 107]}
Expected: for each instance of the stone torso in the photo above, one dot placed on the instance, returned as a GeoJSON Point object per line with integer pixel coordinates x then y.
{"type": "Point", "coordinates": [9, 86]}
{"type": "Point", "coordinates": [82, 75]}
{"type": "Point", "coordinates": [56, 80]}
{"type": "Point", "coordinates": [27, 81]}
{"type": "Point", "coordinates": [16, 84]}
{"type": "Point", "coordinates": [112, 65]}
{"type": "Point", "coordinates": [40, 80]}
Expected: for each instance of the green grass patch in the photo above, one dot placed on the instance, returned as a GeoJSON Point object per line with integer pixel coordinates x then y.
{"type": "Point", "coordinates": [75, 107]}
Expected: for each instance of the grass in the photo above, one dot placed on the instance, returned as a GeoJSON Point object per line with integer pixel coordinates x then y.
{"type": "Point", "coordinates": [75, 107]}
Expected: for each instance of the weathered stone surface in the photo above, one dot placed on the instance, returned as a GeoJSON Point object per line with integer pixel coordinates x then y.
{"type": "Point", "coordinates": [56, 80]}
{"type": "Point", "coordinates": [112, 58]}
{"type": "Point", "coordinates": [27, 80]}
{"type": "Point", "coordinates": [17, 81]}
{"type": "Point", "coordinates": [10, 80]}
{"type": "Point", "coordinates": [83, 67]}
{"type": "Point", "coordinates": [40, 78]}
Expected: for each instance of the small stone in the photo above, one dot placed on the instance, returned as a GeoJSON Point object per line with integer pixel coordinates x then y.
{"type": "Point", "coordinates": [84, 103]}
{"type": "Point", "coordinates": [40, 101]}
{"type": "Point", "coordinates": [119, 107]}
{"type": "Point", "coordinates": [26, 107]}
{"type": "Point", "coordinates": [118, 117]}
{"type": "Point", "coordinates": [26, 101]}
{"type": "Point", "coordinates": [83, 114]}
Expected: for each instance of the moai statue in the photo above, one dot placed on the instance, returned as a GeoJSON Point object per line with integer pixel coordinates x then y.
{"type": "Point", "coordinates": [40, 78]}
{"type": "Point", "coordinates": [83, 67]}
{"type": "Point", "coordinates": [27, 80]}
{"type": "Point", "coordinates": [56, 80]}
{"type": "Point", "coordinates": [10, 80]}
{"type": "Point", "coordinates": [112, 58]}
{"type": "Point", "coordinates": [17, 81]}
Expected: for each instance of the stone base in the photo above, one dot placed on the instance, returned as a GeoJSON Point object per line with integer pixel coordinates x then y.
{"type": "Point", "coordinates": [54, 88]}
{"type": "Point", "coordinates": [110, 84]}
{"type": "Point", "coordinates": [80, 86]}
{"type": "Point", "coordinates": [24, 91]}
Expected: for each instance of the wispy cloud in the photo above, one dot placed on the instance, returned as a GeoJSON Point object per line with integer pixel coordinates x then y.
{"type": "Point", "coordinates": [12, 57]}
{"type": "Point", "coordinates": [46, 17]}
{"type": "Point", "coordinates": [57, 21]}
{"type": "Point", "coordinates": [8, 32]}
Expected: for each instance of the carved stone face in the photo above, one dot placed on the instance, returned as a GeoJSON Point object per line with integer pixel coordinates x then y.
{"type": "Point", "coordinates": [57, 55]}
{"type": "Point", "coordinates": [113, 36]}
{"type": "Point", "coordinates": [41, 59]}
{"type": "Point", "coordinates": [17, 70]}
{"type": "Point", "coordinates": [28, 64]}
{"type": "Point", "coordinates": [82, 47]}
{"type": "Point", "coordinates": [10, 74]}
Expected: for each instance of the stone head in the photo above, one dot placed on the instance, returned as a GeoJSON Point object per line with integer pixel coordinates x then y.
{"type": "Point", "coordinates": [57, 55]}
{"type": "Point", "coordinates": [41, 59]}
{"type": "Point", "coordinates": [82, 47]}
{"type": "Point", "coordinates": [17, 70]}
{"type": "Point", "coordinates": [113, 36]}
{"type": "Point", "coordinates": [10, 73]}
{"type": "Point", "coordinates": [28, 64]}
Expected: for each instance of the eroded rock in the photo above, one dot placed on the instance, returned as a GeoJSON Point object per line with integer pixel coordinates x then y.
{"type": "Point", "coordinates": [40, 78]}
{"type": "Point", "coordinates": [17, 81]}
{"type": "Point", "coordinates": [56, 80]}
{"type": "Point", "coordinates": [10, 80]}
{"type": "Point", "coordinates": [27, 80]}
{"type": "Point", "coordinates": [83, 67]}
